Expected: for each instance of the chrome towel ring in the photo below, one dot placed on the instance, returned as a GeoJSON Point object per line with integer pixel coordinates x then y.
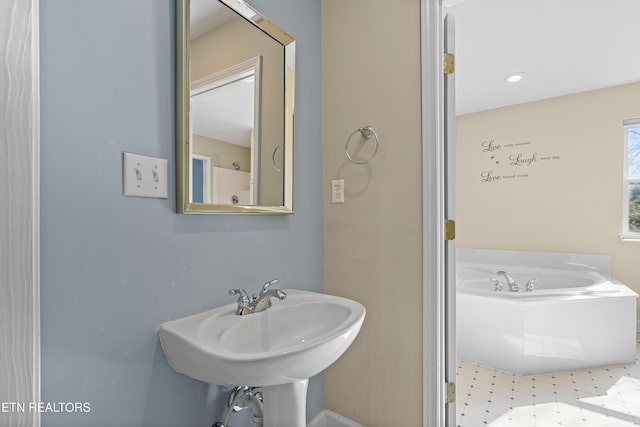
{"type": "Point", "coordinates": [366, 132]}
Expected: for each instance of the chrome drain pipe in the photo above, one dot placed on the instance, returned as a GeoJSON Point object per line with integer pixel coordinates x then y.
{"type": "Point", "coordinates": [242, 398]}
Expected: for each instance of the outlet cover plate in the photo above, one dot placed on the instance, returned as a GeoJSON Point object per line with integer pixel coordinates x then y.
{"type": "Point", "coordinates": [337, 191]}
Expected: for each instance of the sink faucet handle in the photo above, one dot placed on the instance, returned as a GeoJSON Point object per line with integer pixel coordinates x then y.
{"type": "Point", "coordinates": [244, 302]}
{"type": "Point", "coordinates": [498, 284]}
{"type": "Point", "coordinates": [266, 286]}
{"type": "Point", "coordinates": [243, 298]}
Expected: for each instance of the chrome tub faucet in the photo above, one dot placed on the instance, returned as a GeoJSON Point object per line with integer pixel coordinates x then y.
{"type": "Point", "coordinates": [257, 303]}
{"type": "Point", "coordinates": [513, 285]}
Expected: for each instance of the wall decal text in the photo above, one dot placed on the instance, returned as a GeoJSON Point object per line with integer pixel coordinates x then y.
{"type": "Point", "coordinates": [509, 161]}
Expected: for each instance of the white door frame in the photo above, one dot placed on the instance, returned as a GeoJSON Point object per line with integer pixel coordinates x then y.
{"type": "Point", "coordinates": [19, 211]}
{"type": "Point", "coordinates": [433, 214]}
{"type": "Point", "coordinates": [450, 215]}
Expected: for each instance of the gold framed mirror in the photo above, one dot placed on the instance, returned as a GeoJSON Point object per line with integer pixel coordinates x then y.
{"type": "Point", "coordinates": [235, 78]}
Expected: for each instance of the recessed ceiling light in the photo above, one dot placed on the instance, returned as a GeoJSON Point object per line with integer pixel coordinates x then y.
{"type": "Point", "coordinates": [515, 77]}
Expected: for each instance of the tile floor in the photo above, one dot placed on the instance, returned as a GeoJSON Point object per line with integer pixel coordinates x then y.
{"type": "Point", "coordinates": [598, 397]}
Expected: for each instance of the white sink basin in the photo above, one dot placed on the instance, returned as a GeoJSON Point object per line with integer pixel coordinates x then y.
{"type": "Point", "coordinates": [291, 341]}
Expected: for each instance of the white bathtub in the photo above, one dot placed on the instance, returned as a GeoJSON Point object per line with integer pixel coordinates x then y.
{"type": "Point", "coordinates": [576, 317]}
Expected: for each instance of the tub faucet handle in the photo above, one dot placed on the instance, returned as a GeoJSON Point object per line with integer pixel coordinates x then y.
{"type": "Point", "coordinates": [529, 286]}
{"type": "Point", "coordinates": [498, 284]}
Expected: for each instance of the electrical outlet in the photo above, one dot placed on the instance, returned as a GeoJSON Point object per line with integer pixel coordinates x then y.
{"type": "Point", "coordinates": [145, 176]}
{"type": "Point", "coordinates": [337, 191]}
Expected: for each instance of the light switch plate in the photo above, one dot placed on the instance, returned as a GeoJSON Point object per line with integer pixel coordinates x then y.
{"type": "Point", "coordinates": [145, 176]}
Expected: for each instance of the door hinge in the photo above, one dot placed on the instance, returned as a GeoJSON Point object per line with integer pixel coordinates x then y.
{"type": "Point", "coordinates": [451, 392]}
{"type": "Point", "coordinates": [449, 229]}
{"type": "Point", "coordinates": [449, 63]}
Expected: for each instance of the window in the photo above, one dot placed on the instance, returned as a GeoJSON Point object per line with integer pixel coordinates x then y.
{"type": "Point", "coordinates": [631, 181]}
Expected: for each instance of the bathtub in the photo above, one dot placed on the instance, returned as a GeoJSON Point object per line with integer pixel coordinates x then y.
{"type": "Point", "coordinates": [576, 317]}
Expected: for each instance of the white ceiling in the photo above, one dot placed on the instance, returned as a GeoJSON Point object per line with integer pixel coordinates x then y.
{"type": "Point", "coordinates": [565, 46]}
{"type": "Point", "coordinates": [225, 113]}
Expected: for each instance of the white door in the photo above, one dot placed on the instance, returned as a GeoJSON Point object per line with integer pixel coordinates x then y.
{"type": "Point", "coordinates": [449, 214]}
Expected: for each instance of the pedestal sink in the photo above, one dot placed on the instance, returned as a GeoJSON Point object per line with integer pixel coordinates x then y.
{"type": "Point", "coordinates": [278, 349]}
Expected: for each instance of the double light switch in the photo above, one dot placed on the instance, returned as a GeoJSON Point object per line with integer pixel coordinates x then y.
{"type": "Point", "coordinates": [145, 176]}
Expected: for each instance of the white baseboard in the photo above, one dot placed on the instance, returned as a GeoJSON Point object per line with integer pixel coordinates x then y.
{"type": "Point", "coordinates": [329, 418]}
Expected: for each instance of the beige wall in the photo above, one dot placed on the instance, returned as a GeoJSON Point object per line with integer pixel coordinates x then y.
{"type": "Point", "coordinates": [371, 72]}
{"type": "Point", "coordinates": [572, 203]}
{"type": "Point", "coordinates": [222, 153]}
{"type": "Point", "coordinates": [211, 53]}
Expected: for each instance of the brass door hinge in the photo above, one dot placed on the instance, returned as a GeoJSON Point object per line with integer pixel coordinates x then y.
{"type": "Point", "coordinates": [449, 63]}
{"type": "Point", "coordinates": [451, 392]}
{"type": "Point", "coordinates": [449, 229]}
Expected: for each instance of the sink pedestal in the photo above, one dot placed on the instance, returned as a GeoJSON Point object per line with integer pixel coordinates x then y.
{"type": "Point", "coordinates": [285, 405]}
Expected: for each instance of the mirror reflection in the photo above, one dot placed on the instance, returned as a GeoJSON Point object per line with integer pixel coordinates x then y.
{"type": "Point", "coordinates": [239, 72]}
{"type": "Point", "coordinates": [225, 143]}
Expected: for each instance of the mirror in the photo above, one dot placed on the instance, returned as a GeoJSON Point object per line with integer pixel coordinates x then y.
{"type": "Point", "coordinates": [235, 95]}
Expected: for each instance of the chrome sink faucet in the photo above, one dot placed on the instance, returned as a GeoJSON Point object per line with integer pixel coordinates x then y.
{"type": "Point", "coordinates": [257, 303]}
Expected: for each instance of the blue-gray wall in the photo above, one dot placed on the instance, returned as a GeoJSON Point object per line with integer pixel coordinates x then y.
{"type": "Point", "coordinates": [114, 267]}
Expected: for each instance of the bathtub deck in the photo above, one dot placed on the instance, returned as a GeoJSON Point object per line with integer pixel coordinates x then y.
{"type": "Point", "coordinates": [598, 397]}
